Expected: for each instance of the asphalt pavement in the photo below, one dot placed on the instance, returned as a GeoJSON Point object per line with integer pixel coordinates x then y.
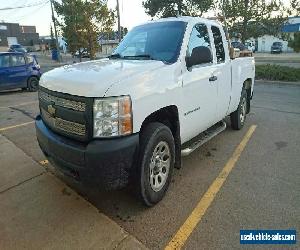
{"type": "Point", "coordinates": [262, 191]}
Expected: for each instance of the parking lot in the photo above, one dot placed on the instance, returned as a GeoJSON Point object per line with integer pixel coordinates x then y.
{"type": "Point", "coordinates": [261, 190]}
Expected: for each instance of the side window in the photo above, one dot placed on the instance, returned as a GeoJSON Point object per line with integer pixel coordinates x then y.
{"type": "Point", "coordinates": [220, 52]}
{"type": "Point", "coordinates": [199, 37]}
{"type": "Point", "coordinates": [30, 59]}
{"type": "Point", "coordinates": [4, 61]}
{"type": "Point", "coordinates": [17, 60]}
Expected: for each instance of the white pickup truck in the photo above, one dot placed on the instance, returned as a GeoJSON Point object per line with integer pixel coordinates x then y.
{"type": "Point", "coordinates": [131, 117]}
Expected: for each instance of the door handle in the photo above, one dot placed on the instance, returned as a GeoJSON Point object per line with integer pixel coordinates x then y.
{"type": "Point", "coordinates": [213, 78]}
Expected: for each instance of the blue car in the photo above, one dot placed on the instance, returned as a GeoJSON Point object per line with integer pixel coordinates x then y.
{"type": "Point", "coordinates": [19, 70]}
{"type": "Point", "coordinates": [17, 48]}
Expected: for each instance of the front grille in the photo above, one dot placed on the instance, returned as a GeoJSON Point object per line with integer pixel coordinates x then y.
{"type": "Point", "coordinates": [64, 125]}
{"type": "Point", "coordinates": [65, 114]}
{"type": "Point", "coordinates": [79, 106]}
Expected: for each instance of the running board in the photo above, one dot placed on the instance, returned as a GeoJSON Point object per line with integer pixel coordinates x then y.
{"type": "Point", "coordinates": [203, 138]}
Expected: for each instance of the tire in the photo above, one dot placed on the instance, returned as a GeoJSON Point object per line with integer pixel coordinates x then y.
{"type": "Point", "coordinates": [156, 163]}
{"type": "Point", "coordinates": [33, 84]}
{"type": "Point", "coordinates": [238, 117]}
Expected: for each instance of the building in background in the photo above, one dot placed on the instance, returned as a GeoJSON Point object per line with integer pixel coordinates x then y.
{"type": "Point", "coordinates": [107, 47]}
{"type": "Point", "coordinates": [264, 43]}
{"type": "Point", "coordinates": [14, 33]}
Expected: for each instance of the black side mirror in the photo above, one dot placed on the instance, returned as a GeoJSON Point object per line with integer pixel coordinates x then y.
{"type": "Point", "coordinates": [199, 55]}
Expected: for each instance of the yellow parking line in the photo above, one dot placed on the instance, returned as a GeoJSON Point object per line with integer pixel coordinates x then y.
{"type": "Point", "coordinates": [195, 217]}
{"type": "Point", "coordinates": [44, 162]}
{"type": "Point", "coordinates": [17, 105]}
{"type": "Point", "coordinates": [16, 126]}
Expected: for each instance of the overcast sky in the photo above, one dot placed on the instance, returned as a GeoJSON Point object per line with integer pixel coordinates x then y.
{"type": "Point", "coordinates": [132, 13]}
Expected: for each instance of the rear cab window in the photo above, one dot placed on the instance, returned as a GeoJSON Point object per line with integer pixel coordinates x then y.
{"type": "Point", "coordinates": [219, 44]}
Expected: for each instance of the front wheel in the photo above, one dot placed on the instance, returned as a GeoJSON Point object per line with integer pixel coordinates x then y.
{"type": "Point", "coordinates": [33, 84]}
{"type": "Point", "coordinates": [238, 117]}
{"type": "Point", "coordinates": [156, 162]}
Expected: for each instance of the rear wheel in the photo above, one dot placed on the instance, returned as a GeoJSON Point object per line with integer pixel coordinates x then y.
{"type": "Point", "coordinates": [33, 84]}
{"type": "Point", "coordinates": [238, 117]}
{"type": "Point", "coordinates": [156, 162]}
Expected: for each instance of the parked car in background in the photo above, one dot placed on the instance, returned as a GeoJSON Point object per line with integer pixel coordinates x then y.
{"type": "Point", "coordinates": [19, 70]}
{"type": "Point", "coordinates": [276, 47]}
{"type": "Point", "coordinates": [238, 45]}
{"type": "Point", "coordinates": [17, 48]}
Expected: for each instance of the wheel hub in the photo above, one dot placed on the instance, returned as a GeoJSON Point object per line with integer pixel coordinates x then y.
{"type": "Point", "coordinates": [243, 110]}
{"type": "Point", "coordinates": [159, 166]}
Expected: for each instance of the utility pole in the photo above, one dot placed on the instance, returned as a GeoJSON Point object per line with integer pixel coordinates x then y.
{"type": "Point", "coordinates": [55, 30]}
{"type": "Point", "coordinates": [119, 22]}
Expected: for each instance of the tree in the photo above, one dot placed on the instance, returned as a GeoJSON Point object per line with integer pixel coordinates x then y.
{"type": "Point", "coordinates": [52, 42]}
{"type": "Point", "coordinates": [253, 18]}
{"type": "Point", "coordinates": [81, 22]}
{"type": "Point", "coordinates": [295, 43]}
{"type": "Point", "coordinates": [169, 8]}
{"type": "Point", "coordinates": [295, 7]}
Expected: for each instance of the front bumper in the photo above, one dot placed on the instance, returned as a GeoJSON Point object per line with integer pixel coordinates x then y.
{"type": "Point", "coordinates": [276, 50]}
{"type": "Point", "coordinates": [106, 163]}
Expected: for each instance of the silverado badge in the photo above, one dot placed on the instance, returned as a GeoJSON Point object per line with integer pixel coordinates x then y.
{"type": "Point", "coordinates": [51, 110]}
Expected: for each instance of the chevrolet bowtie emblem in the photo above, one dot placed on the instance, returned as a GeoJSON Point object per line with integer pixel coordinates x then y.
{"type": "Point", "coordinates": [51, 110]}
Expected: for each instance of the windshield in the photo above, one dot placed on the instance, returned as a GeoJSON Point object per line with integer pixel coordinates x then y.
{"type": "Point", "coordinates": [277, 44]}
{"type": "Point", "coordinates": [20, 49]}
{"type": "Point", "coordinates": [157, 41]}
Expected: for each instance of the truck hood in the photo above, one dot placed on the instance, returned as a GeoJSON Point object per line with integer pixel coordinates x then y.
{"type": "Point", "coordinates": [94, 78]}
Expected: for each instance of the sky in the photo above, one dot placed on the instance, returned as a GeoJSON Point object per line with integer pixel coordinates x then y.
{"type": "Point", "coordinates": [132, 13]}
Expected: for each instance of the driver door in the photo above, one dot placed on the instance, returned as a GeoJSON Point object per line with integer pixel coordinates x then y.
{"type": "Point", "coordinates": [4, 71]}
{"type": "Point", "coordinates": [199, 92]}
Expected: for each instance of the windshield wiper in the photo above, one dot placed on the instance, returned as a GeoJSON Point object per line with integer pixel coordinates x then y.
{"type": "Point", "coordinates": [143, 56]}
{"type": "Point", "coordinates": [115, 56]}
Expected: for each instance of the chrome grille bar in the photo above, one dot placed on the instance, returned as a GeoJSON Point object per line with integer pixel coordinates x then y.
{"type": "Point", "coordinates": [64, 125]}
{"type": "Point", "coordinates": [75, 105]}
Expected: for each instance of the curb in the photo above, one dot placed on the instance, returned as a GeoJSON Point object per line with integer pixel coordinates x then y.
{"type": "Point", "coordinates": [276, 82]}
{"type": "Point", "coordinates": [38, 209]}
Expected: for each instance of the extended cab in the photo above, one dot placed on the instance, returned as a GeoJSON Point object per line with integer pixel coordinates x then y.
{"type": "Point", "coordinates": [130, 117]}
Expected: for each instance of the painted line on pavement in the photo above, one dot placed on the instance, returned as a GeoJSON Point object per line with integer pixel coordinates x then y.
{"type": "Point", "coordinates": [195, 217]}
{"type": "Point", "coordinates": [16, 126]}
{"type": "Point", "coordinates": [17, 105]}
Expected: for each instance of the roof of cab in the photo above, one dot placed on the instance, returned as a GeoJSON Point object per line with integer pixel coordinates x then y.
{"type": "Point", "coordinates": [188, 19]}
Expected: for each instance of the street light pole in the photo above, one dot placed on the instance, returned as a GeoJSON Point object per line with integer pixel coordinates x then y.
{"type": "Point", "coordinates": [119, 22]}
{"type": "Point", "coordinates": [55, 30]}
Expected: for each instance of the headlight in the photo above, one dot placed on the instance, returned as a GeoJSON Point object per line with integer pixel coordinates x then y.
{"type": "Point", "coordinates": [112, 116]}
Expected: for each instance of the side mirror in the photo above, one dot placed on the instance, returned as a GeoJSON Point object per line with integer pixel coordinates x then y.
{"type": "Point", "coordinates": [199, 55]}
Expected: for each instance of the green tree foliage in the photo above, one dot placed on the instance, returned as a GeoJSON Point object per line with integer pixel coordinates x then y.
{"type": "Point", "coordinates": [169, 8]}
{"type": "Point", "coordinates": [295, 43]}
{"type": "Point", "coordinates": [295, 7]}
{"type": "Point", "coordinates": [81, 22]}
{"type": "Point", "coordinates": [253, 18]}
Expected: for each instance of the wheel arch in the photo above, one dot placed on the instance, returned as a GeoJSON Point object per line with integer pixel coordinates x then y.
{"type": "Point", "coordinates": [168, 116]}
{"type": "Point", "coordinates": [248, 86]}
